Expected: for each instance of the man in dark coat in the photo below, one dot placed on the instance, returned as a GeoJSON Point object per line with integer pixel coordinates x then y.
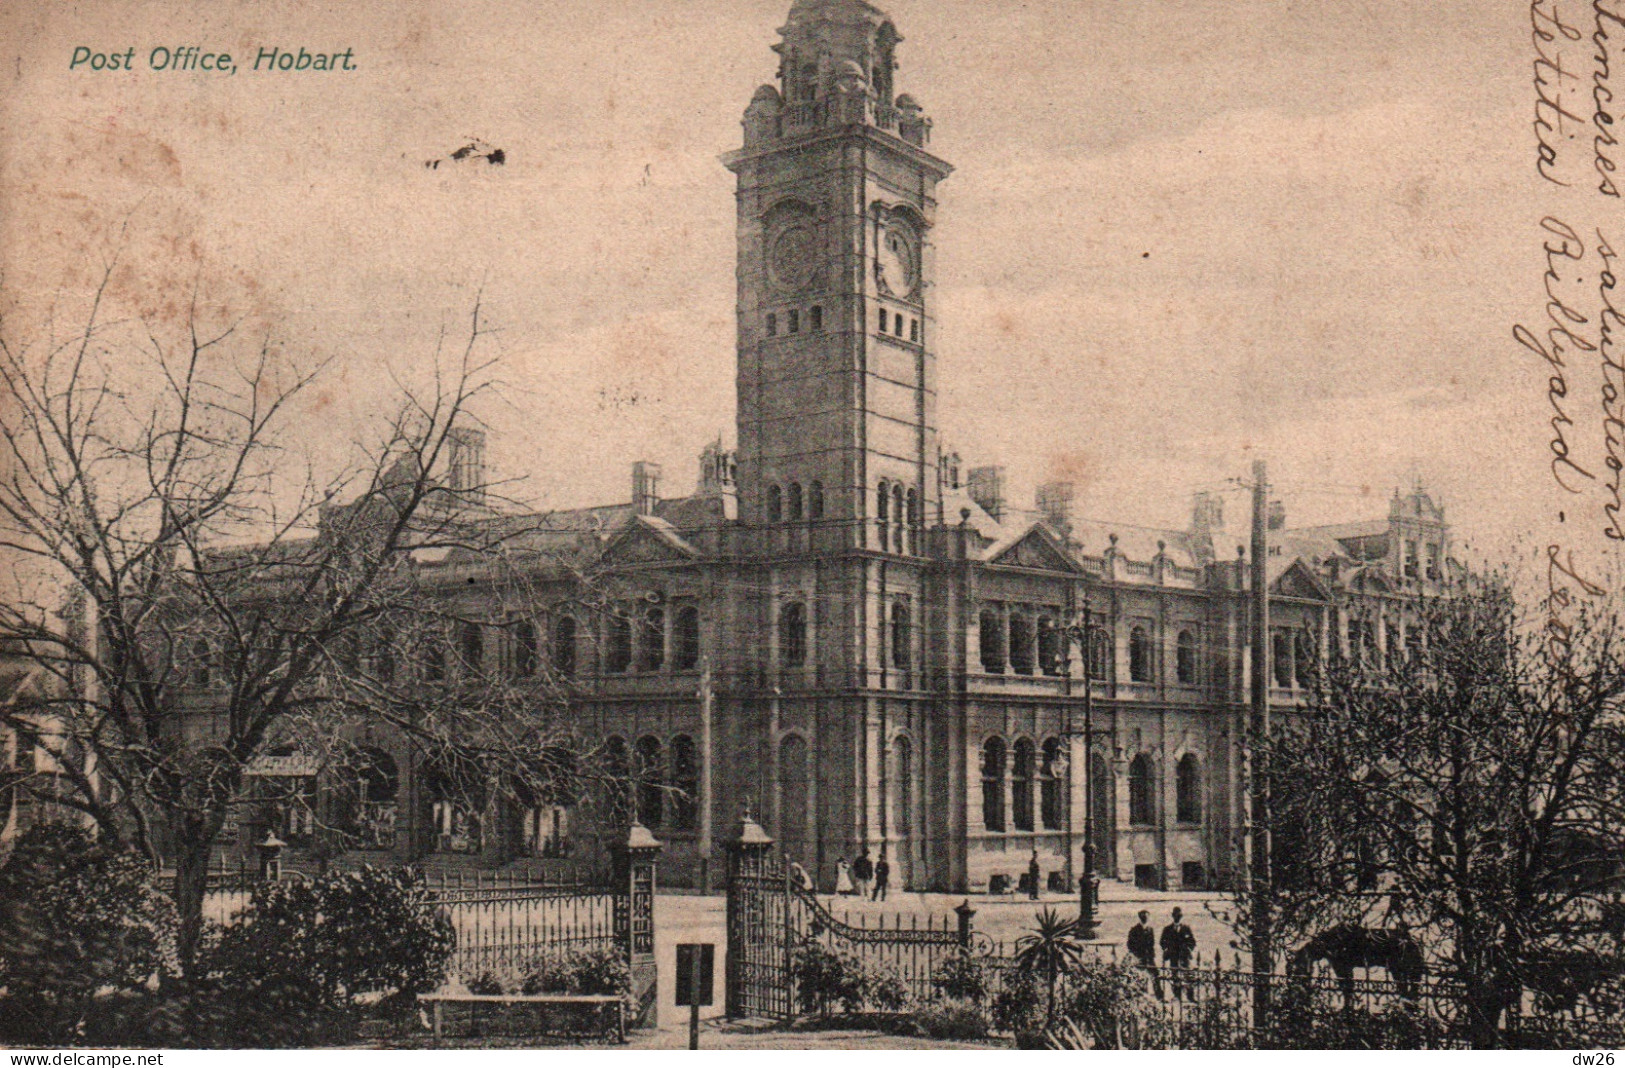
{"type": "Point", "coordinates": [863, 869]}
{"type": "Point", "coordinates": [1033, 875]}
{"type": "Point", "coordinates": [1178, 947]}
{"type": "Point", "coordinates": [1142, 945]}
{"type": "Point", "coordinates": [882, 877]}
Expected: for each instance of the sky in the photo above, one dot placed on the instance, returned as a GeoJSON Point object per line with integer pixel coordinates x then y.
{"type": "Point", "coordinates": [1181, 234]}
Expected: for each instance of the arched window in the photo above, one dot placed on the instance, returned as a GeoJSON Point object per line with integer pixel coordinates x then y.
{"type": "Point", "coordinates": [793, 503]}
{"type": "Point", "coordinates": [651, 774]}
{"type": "Point", "coordinates": [652, 642]}
{"type": "Point", "coordinates": [471, 647]}
{"type": "Point", "coordinates": [900, 648]}
{"type": "Point", "coordinates": [368, 788]}
{"type": "Point", "coordinates": [793, 635]}
{"type": "Point", "coordinates": [1049, 785]}
{"type": "Point", "coordinates": [775, 505]}
{"type": "Point", "coordinates": [1021, 644]}
{"type": "Point", "coordinates": [795, 795]}
{"type": "Point", "coordinates": [1185, 657]}
{"type": "Point", "coordinates": [542, 799]}
{"type": "Point", "coordinates": [902, 786]}
{"type": "Point", "coordinates": [1021, 785]}
{"type": "Point", "coordinates": [202, 664]}
{"type": "Point", "coordinates": [618, 657]}
{"type": "Point", "coordinates": [992, 641]}
{"type": "Point", "coordinates": [882, 512]}
{"type": "Point", "coordinates": [898, 515]}
{"type": "Point", "coordinates": [1188, 787]}
{"type": "Point", "coordinates": [618, 779]}
{"type": "Point", "coordinates": [685, 639]}
{"type": "Point", "coordinates": [434, 659]}
{"type": "Point", "coordinates": [1049, 646]}
{"type": "Point", "coordinates": [913, 520]}
{"type": "Point", "coordinates": [454, 795]}
{"type": "Point", "coordinates": [1142, 806]}
{"type": "Point", "coordinates": [564, 646]}
{"type": "Point", "coordinates": [993, 784]}
{"type": "Point", "coordinates": [815, 500]}
{"type": "Point", "coordinates": [1282, 658]}
{"type": "Point", "coordinates": [524, 649]}
{"type": "Point", "coordinates": [1139, 655]}
{"type": "Point", "coordinates": [1303, 657]}
{"type": "Point", "coordinates": [1100, 649]}
{"type": "Point", "coordinates": [685, 778]}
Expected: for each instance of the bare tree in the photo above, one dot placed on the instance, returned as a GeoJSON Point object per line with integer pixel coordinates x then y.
{"type": "Point", "coordinates": [1470, 788]}
{"type": "Point", "coordinates": [196, 596]}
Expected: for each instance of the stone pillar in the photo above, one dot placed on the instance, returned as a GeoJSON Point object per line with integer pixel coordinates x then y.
{"type": "Point", "coordinates": [634, 918]}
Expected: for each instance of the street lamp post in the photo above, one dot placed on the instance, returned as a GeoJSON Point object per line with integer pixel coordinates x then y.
{"type": "Point", "coordinates": [1089, 884]}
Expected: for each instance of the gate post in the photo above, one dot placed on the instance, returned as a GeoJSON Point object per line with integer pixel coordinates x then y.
{"type": "Point", "coordinates": [965, 914]}
{"type": "Point", "coordinates": [747, 863]}
{"type": "Point", "coordinates": [635, 918]}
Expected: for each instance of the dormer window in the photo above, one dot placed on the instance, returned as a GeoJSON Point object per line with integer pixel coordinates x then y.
{"type": "Point", "coordinates": [885, 319]}
{"type": "Point", "coordinates": [914, 330]}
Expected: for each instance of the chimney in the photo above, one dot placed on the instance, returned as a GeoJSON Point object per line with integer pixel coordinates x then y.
{"type": "Point", "coordinates": [645, 487]}
{"type": "Point", "coordinates": [1277, 516]}
{"type": "Point", "coordinates": [986, 488]}
{"type": "Point", "coordinates": [1055, 505]}
{"type": "Point", "coordinates": [1207, 519]}
{"type": "Point", "coordinates": [718, 470]}
{"type": "Point", "coordinates": [467, 461]}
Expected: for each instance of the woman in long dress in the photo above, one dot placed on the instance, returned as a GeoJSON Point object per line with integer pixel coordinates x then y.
{"type": "Point", "coordinates": [843, 879]}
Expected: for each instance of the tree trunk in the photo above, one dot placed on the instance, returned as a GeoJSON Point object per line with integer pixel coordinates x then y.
{"type": "Point", "coordinates": [191, 883]}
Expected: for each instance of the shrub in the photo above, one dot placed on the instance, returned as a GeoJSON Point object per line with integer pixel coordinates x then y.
{"type": "Point", "coordinates": [76, 917]}
{"type": "Point", "coordinates": [292, 965]}
{"type": "Point", "coordinates": [953, 1017]}
{"type": "Point", "coordinates": [962, 977]}
{"type": "Point", "coordinates": [1103, 997]}
{"type": "Point", "coordinates": [828, 977]}
{"type": "Point", "coordinates": [1019, 1004]}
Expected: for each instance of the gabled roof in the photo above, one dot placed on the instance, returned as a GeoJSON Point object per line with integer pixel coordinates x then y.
{"type": "Point", "coordinates": [1034, 546]}
{"type": "Point", "coordinates": [1294, 578]}
{"type": "Point", "coordinates": [647, 539]}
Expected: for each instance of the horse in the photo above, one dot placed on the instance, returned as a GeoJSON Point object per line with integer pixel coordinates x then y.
{"type": "Point", "coordinates": [1348, 946]}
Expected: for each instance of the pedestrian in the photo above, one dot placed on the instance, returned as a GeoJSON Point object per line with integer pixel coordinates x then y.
{"type": "Point", "coordinates": [1178, 947]}
{"type": "Point", "coordinates": [1033, 874]}
{"type": "Point", "coordinates": [1142, 945]}
{"type": "Point", "coordinates": [843, 878]}
{"type": "Point", "coordinates": [799, 875]}
{"type": "Point", "coordinates": [863, 869]}
{"type": "Point", "coordinates": [882, 877]}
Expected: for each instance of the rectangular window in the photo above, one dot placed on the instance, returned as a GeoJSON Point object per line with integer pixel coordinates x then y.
{"type": "Point", "coordinates": [899, 328]}
{"type": "Point", "coordinates": [795, 320]}
{"type": "Point", "coordinates": [914, 330]}
{"type": "Point", "coordinates": [772, 325]}
{"type": "Point", "coordinates": [885, 320]}
{"type": "Point", "coordinates": [817, 323]}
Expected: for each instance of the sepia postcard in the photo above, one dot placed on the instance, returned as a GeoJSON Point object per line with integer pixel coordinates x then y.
{"type": "Point", "coordinates": [812, 524]}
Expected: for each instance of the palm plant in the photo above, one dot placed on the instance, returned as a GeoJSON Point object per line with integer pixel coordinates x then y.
{"type": "Point", "coordinates": [1051, 950]}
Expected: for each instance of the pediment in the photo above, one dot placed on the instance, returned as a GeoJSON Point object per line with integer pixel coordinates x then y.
{"type": "Point", "coordinates": [1037, 549]}
{"type": "Point", "coordinates": [1300, 582]}
{"type": "Point", "coordinates": [642, 544]}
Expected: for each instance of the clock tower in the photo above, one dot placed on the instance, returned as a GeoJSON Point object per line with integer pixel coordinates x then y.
{"type": "Point", "coordinates": [836, 378]}
{"type": "Point", "coordinates": [837, 455]}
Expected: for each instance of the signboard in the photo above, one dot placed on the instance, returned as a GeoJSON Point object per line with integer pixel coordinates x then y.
{"type": "Point", "coordinates": [695, 972]}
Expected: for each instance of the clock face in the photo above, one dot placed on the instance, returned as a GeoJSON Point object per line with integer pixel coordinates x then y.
{"type": "Point", "coordinates": [895, 262]}
{"type": "Point", "coordinates": [793, 258]}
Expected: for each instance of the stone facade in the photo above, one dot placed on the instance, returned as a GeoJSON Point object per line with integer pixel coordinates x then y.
{"type": "Point", "coordinates": [897, 659]}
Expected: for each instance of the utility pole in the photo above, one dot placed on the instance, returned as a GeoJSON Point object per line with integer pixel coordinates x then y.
{"type": "Point", "coordinates": [1258, 740]}
{"type": "Point", "coordinates": [706, 698]}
